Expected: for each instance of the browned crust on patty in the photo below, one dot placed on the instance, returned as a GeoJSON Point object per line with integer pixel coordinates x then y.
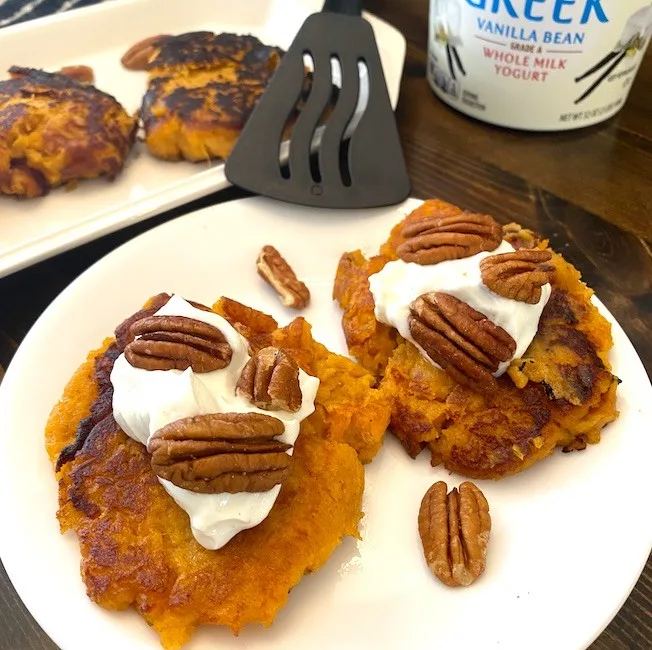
{"type": "Point", "coordinates": [561, 393]}
{"type": "Point", "coordinates": [136, 544]}
{"type": "Point", "coordinates": [202, 89]}
{"type": "Point", "coordinates": [57, 130]}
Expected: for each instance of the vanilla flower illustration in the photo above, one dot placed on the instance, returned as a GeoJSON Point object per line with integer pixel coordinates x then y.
{"type": "Point", "coordinates": [637, 31]}
{"type": "Point", "coordinates": [446, 20]}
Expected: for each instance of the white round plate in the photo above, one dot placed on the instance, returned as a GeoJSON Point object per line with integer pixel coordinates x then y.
{"type": "Point", "coordinates": [569, 538]}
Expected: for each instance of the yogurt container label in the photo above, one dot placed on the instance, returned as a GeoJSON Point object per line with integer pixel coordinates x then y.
{"type": "Point", "coordinates": [537, 64]}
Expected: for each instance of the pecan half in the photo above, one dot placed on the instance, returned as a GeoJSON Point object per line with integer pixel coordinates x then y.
{"type": "Point", "coordinates": [177, 343]}
{"type": "Point", "coordinates": [454, 530]}
{"type": "Point", "coordinates": [437, 239]}
{"type": "Point", "coordinates": [464, 342]}
{"type": "Point", "coordinates": [273, 268]}
{"type": "Point", "coordinates": [270, 381]}
{"type": "Point", "coordinates": [138, 56]}
{"type": "Point", "coordinates": [518, 275]}
{"type": "Point", "coordinates": [81, 73]}
{"type": "Point", "coordinates": [123, 334]}
{"type": "Point", "coordinates": [221, 452]}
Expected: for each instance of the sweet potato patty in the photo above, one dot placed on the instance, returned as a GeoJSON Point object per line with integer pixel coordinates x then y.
{"type": "Point", "coordinates": [202, 88]}
{"type": "Point", "coordinates": [54, 130]}
{"type": "Point", "coordinates": [136, 544]}
{"type": "Point", "coordinates": [561, 393]}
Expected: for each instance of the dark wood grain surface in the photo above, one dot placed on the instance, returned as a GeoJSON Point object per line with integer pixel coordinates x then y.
{"type": "Point", "coordinates": [589, 191]}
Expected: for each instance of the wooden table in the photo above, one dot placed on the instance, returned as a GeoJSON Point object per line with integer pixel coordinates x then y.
{"type": "Point", "coordinates": [589, 191]}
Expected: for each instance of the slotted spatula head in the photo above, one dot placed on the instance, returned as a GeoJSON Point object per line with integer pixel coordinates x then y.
{"type": "Point", "coordinates": [365, 170]}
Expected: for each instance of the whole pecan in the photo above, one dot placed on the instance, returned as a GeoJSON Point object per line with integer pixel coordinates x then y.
{"type": "Point", "coordinates": [138, 56]}
{"type": "Point", "coordinates": [518, 275]}
{"type": "Point", "coordinates": [270, 381]}
{"type": "Point", "coordinates": [437, 239]}
{"type": "Point", "coordinates": [454, 530]}
{"type": "Point", "coordinates": [273, 268]}
{"type": "Point", "coordinates": [177, 343]}
{"type": "Point", "coordinates": [464, 342]}
{"type": "Point", "coordinates": [221, 452]}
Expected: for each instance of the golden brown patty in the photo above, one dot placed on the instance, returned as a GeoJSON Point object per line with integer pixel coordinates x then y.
{"type": "Point", "coordinates": [202, 89]}
{"type": "Point", "coordinates": [136, 544]}
{"type": "Point", "coordinates": [561, 393]}
{"type": "Point", "coordinates": [54, 130]}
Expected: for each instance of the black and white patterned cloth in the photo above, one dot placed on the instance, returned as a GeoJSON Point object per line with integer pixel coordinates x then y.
{"type": "Point", "coordinates": [16, 11]}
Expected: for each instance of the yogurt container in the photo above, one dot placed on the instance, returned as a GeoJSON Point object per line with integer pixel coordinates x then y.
{"type": "Point", "coordinates": [538, 65]}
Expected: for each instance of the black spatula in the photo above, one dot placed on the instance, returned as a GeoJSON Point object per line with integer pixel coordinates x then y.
{"type": "Point", "coordinates": [364, 170]}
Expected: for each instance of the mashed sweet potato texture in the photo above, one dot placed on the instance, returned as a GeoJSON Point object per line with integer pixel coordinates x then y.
{"type": "Point", "coordinates": [136, 544]}
{"type": "Point", "coordinates": [560, 394]}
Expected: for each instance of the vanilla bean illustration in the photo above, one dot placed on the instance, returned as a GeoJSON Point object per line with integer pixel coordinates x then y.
{"type": "Point", "coordinates": [594, 86]}
{"type": "Point", "coordinates": [450, 61]}
{"type": "Point", "coordinates": [597, 66]}
{"type": "Point", "coordinates": [458, 61]}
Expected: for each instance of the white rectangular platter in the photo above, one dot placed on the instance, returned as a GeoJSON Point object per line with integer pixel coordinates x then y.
{"type": "Point", "coordinates": [33, 230]}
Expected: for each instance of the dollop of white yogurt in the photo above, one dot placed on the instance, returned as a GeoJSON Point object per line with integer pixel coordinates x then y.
{"type": "Point", "coordinates": [146, 400]}
{"type": "Point", "coordinates": [399, 283]}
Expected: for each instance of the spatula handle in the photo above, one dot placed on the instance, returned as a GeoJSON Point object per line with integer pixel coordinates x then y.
{"type": "Point", "coordinates": [348, 7]}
